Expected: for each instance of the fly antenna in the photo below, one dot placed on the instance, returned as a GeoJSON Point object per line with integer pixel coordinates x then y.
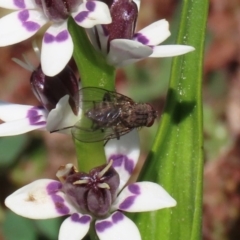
{"type": "Point", "coordinates": [60, 129]}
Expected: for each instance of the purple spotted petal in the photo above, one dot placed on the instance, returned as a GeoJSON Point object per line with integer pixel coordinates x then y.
{"type": "Point", "coordinates": [154, 33]}
{"type": "Point", "coordinates": [17, 4]}
{"type": "Point", "coordinates": [91, 13]}
{"type": "Point", "coordinates": [117, 226]}
{"type": "Point", "coordinates": [20, 118]}
{"type": "Point", "coordinates": [125, 154]}
{"type": "Point", "coordinates": [20, 25]}
{"type": "Point", "coordinates": [57, 49]}
{"type": "Point", "coordinates": [75, 227]}
{"type": "Point", "coordinates": [143, 196]}
{"type": "Point", "coordinates": [41, 199]}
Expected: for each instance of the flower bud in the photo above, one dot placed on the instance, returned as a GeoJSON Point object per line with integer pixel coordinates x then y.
{"type": "Point", "coordinates": [49, 90]}
{"type": "Point", "coordinates": [95, 192]}
{"type": "Point", "coordinates": [124, 15]}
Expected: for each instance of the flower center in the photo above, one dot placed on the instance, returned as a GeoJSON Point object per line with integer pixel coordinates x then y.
{"type": "Point", "coordinates": [92, 193]}
{"type": "Point", "coordinates": [57, 10]}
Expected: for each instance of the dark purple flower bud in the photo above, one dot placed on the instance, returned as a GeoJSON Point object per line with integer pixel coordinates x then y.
{"type": "Point", "coordinates": [49, 90]}
{"type": "Point", "coordinates": [58, 10]}
{"type": "Point", "coordinates": [95, 192]}
{"type": "Point", "coordinates": [124, 15]}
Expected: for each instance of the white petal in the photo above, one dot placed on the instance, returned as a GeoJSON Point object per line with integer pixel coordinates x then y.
{"type": "Point", "coordinates": [91, 13]}
{"type": "Point", "coordinates": [20, 118]}
{"type": "Point", "coordinates": [142, 197]}
{"type": "Point", "coordinates": [57, 49]}
{"type": "Point", "coordinates": [125, 154]}
{"type": "Point", "coordinates": [41, 199]}
{"type": "Point", "coordinates": [62, 116]}
{"type": "Point", "coordinates": [20, 126]}
{"type": "Point", "coordinates": [124, 51]}
{"type": "Point", "coordinates": [75, 227]}
{"type": "Point", "coordinates": [20, 25]}
{"type": "Point", "coordinates": [171, 50]}
{"type": "Point", "coordinates": [117, 227]}
{"type": "Point", "coordinates": [17, 4]}
{"type": "Point", "coordinates": [11, 112]}
{"type": "Point", "coordinates": [153, 34]}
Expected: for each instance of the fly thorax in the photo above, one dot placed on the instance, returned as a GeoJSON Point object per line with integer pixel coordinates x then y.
{"type": "Point", "coordinates": [92, 193]}
{"type": "Point", "coordinates": [58, 10]}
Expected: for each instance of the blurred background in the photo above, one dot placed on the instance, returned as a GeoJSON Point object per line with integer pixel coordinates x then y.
{"type": "Point", "coordinates": [38, 154]}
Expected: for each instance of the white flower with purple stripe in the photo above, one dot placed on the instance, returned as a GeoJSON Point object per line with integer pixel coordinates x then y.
{"type": "Point", "coordinates": [19, 119]}
{"type": "Point", "coordinates": [122, 45]}
{"type": "Point", "coordinates": [47, 198]}
{"type": "Point", "coordinates": [57, 45]}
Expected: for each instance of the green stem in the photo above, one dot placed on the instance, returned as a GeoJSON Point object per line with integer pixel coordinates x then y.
{"type": "Point", "coordinates": [94, 72]}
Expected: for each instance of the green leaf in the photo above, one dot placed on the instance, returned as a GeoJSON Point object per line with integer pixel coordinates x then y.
{"type": "Point", "coordinates": [49, 228]}
{"type": "Point", "coordinates": [10, 148]}
{"type": "Point", "coordinates": [176, 158]}
{"type": "Point", "coordinates": [16, 227]}
{"type": "Point", "coordinates": [94, 72]}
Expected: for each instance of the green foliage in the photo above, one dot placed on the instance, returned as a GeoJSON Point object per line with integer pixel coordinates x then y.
{"type": "Point", "coordinates": [10, 148]}
{"type": "Point", "coordinates": [176, 158]}
{"type": "Point", "coordinates": [16, 227]}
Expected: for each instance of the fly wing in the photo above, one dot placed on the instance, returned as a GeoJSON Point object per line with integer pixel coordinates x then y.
{"type": "Point", "coordinates": [85, 130]}
{"type": "Point", "coordinates": [92, 95]}
{"type": "Point", "coordinates": [89, 135]}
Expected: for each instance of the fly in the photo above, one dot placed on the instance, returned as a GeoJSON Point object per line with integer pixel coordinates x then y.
{"type": "Point", "coordinates": [108, 114]}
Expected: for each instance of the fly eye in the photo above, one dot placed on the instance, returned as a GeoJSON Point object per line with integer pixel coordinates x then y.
{"type": "Point", "coordinates": [150, 123]}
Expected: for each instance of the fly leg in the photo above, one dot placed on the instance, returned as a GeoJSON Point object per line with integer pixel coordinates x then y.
{"type": "Point", "coordinates": [107, 97]}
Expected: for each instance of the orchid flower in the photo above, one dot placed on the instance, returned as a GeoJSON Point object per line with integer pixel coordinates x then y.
{"type": "Point", "coordinates": [57, 45]}
{"type": "Point", "coordinates": [122, 45]}
{"type": "Point", "coordinates": [98, 196]}
{"type": "Point", "coordinates": [59, 109]}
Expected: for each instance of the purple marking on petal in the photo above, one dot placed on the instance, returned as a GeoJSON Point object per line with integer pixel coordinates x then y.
{"type": "Point", "coordinates": [53, 187]}
{"type": "Point", "coordinates": [116, 217]}
{"type": "Point", "coordinates": [31, 26]}
{"type": "Point", "coordinates": [91, 5]}
{"type": "Point", "coordinates": [57, 198]}
{"type": "Point", "coordinates": [129, 165]}
{"type": "Point", "coordinates": [34, 117]}
{"type": "Point", "coordinates": [81, 16]}
{"type": "Point", "coordinates": [23, 15]}
{"type": "Point", "coordinates": [141, 38]}
{"type": "Point", "coordinates": [75, 217]}
{"type": "Point", "coordinates": [61, 37]}
{"type": "Point", "coordinates": [19, 3]}
{"type": "Point", "coordinates": [84, 219]}
{"type": "Point", "coordinates": [119, 159]}
{"type": "Point", "coordinates": [134, 188]}
{"type": "Point", "coordinates": [101, 226]}
{"type": "Point", "coordinates": [127, 203]}
{"type": "Point", "coordinates": [48, 38]}
{"type": "Point", "coordinates": [59, 204]}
